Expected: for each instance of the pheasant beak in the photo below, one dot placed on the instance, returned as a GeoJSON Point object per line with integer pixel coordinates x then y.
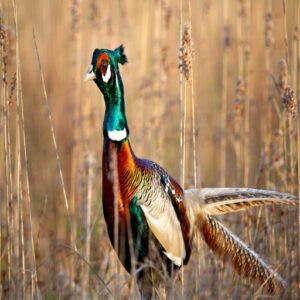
{"type": "Point", "coordinates": [89, 75]}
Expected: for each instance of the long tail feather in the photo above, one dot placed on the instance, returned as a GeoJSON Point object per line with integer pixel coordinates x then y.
{"type": "Point", "coordinates": [220, 208]}
{"type": "Point", "coordinates": [216, 201]}
{"type": "Point", "coordinates": [230, 249]}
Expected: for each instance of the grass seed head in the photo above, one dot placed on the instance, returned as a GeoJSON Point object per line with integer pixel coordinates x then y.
{"type": "Point", "coordinates": [13, 85]}
{"type": "Point", "coordinates": [238, 101]}
{"type": "Point", "coordinates": [296, 34]}
{"type": "Point", "coordinates": [168, 13]}
{"type": "Point", "coordinates": [186, 53]}
{"type": "Point", "coordinates": [75, 14]}
{"type": "Point", "coordinates": [269, 39]}
{"type": "Point", "coordinates": [227, 40]}
{"type": "Point", "coordinates": [283, 75]}
{"type": "Point", "coordinates": [289, 101]}
{"type": "Point", "coordinates": [7, 45]}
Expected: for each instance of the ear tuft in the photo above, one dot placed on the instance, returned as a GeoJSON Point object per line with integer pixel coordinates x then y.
{"type": "Point", "coordinates": [122, 59]}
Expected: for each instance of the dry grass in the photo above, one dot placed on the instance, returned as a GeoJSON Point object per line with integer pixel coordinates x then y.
{"type": "Point", "coordinates": [229, 118]}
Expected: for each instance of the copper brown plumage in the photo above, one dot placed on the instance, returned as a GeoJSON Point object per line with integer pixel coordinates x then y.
{"type": "Point", "coordinates": [232, 250]}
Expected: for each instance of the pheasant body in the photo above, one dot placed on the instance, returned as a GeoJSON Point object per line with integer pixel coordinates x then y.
{"type": "Point", "coordinates": [141, 187]}
{"type": "Point", "coordinates": [147, 213]}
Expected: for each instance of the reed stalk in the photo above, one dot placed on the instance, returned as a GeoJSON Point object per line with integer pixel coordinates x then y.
{"type": "Point", "coordinates": [181, 141]}
{"type": "Point", "coordinates": [294, 87]}
{"type": "Point", "coordinates": [267, 133]}
{"type": "Point", "coordinates": [226, 45]}
{"type": "Point", "coordinates": [58, 162]}
{"type": "Point", "coordinates": [194, 146]}
{"type": "Point", "coordinates": [240, 92]}
{"type": "Point", "coordinates": [262, 123]}
{"type": "Point", "coordinates": [298, 140]}
{"type": "Point", "coordinates": [27, 195]}
{"type": "Point", "coordinates": [285, 119]}
{"type": "Point", "coordinates": [186, 66]}
{"type": "Point", "coordinates": [89, 171]}
{"type": "Point", "coordinates": [7, 158]}
{"type": "Point", "coordinates": [248, 82]}
{"type": "Point", "coordinates": [157, 71]}
{"type": "Point", "coordinates": [267, 126]}
{"type": "Point", "coordinates": [182, 104]}
{"type": "Point", "coordinates": [52, 132]}
{"type": "Point", "coordinates": [72, 213]}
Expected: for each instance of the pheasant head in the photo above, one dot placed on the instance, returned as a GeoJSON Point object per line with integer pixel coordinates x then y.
{"type": "Point", "coordinates": [104, 70]}
{"type": "Point", "coordinates": [104, 66]}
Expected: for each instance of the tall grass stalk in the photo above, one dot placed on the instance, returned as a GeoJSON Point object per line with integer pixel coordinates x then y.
{"type": "Point", "coordinates": [21, 134]}
{"type": "Point", "coordinates": [182, 103]}
{"type": "Point", "coordinates": [248, 81]}
{"type": "Point", "coordinates": [240, 91]}
{"type": "Point", "coordinates": [75, 155]}
{"type": "Point", "coordinates": [285, 118]}
{"type": "Point", "coordinates": [157, 71]}
{"type": "Point", "coordinates": [28, 194]}
{"type": "Point", "coordinates": [181, 133]}
{"type": "Point", "coordinates": [266, 132]}
{"type": "Point", "coordinates": [288, 135]}
{"type": "Point", "coordinates": [186, 67]}
{"type": "Point", "coordinates": [2, 157]}
{"type": "Point", "coordinates": [226, 45]}
{"type": "Point", "coordinates": [53, 137]}
{"type": "Point", "coordinates": [195, 175]}
{"type": "Point", "coordinates": [22, 292]}
{"type": "Point", "coordinates": [7, 171]}
{"type": "Point", "coordinates": [298, 138]}
{"type": "Point", "coordinates": [151, 88]}
{"type": "Point", "coordinates": [89, 166]}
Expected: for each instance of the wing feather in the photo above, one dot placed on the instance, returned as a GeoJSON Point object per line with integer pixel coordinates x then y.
{"type": "Point", "coordinates": [166, 228]}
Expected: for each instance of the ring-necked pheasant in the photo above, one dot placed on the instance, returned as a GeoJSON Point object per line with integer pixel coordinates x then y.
{"type": "Point", "coordinates": [148, 215]}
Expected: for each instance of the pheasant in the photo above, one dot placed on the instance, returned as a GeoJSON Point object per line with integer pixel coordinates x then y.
{"type": "Point", "coordinates": [149, 217]}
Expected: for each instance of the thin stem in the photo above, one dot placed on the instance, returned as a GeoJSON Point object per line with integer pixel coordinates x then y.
{"type": "Point", "coordinates": [247, 55]}
{"type": "Point", "coordinates": [89, 189]}
{"type": "Point", "coordinates": [298, 138]}
{"type": "Point", "coordinates": [92, 269]}
{"type": "Point", "coordinates": [286, 46]}
{"type": "Point", "coordinates": [181, 123]}
{"type": "Point", "coordinates": [193, 112]}
{"type": "Point", "coordinates": [224, 94]}
{"type": "Point", "coordinates": [184, 133]}
{"type": "Point", "coordinates": [53, 135]}
{"type": "Point", "coordinates": [20, 116]}
{"type": "Point", "coordinates": [181, 106]}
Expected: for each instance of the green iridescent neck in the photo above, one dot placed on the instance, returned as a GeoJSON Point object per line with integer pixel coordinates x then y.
{"type": "Point", "coordinates": [115, 117]}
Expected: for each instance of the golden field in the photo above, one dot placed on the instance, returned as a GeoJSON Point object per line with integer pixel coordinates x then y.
{"type": "Point", "coordinates": [222, 111]}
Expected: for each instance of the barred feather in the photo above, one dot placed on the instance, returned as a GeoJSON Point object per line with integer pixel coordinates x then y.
{"type": "Point", "coordinates": [216, 201]}
{"type": "Point", "coordinates": [220, 208]}
{"type": "Point", "coordinates": [244, 261]}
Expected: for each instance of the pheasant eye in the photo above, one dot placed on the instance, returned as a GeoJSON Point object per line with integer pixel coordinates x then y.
{"type": "Point", "coordinates": [105, 71]}
{"type": "Point", "coordinates": [104, 67]}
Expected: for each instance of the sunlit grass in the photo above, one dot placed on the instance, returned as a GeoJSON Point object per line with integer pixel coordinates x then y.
{"type": "Point", "coordinates": [244, 134]}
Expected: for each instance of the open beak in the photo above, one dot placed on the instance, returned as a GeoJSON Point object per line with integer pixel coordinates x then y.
{"type": "Point", "coordinates": [89, 75]}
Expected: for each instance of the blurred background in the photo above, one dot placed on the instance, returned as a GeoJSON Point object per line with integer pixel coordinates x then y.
{"type": "Point", "coordinates": [211, 95]}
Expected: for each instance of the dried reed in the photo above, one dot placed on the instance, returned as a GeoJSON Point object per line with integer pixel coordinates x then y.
{"type": "Point", "coordinates": [265, 121]}
{"type": "Point", "coordinates": [226, 45]}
